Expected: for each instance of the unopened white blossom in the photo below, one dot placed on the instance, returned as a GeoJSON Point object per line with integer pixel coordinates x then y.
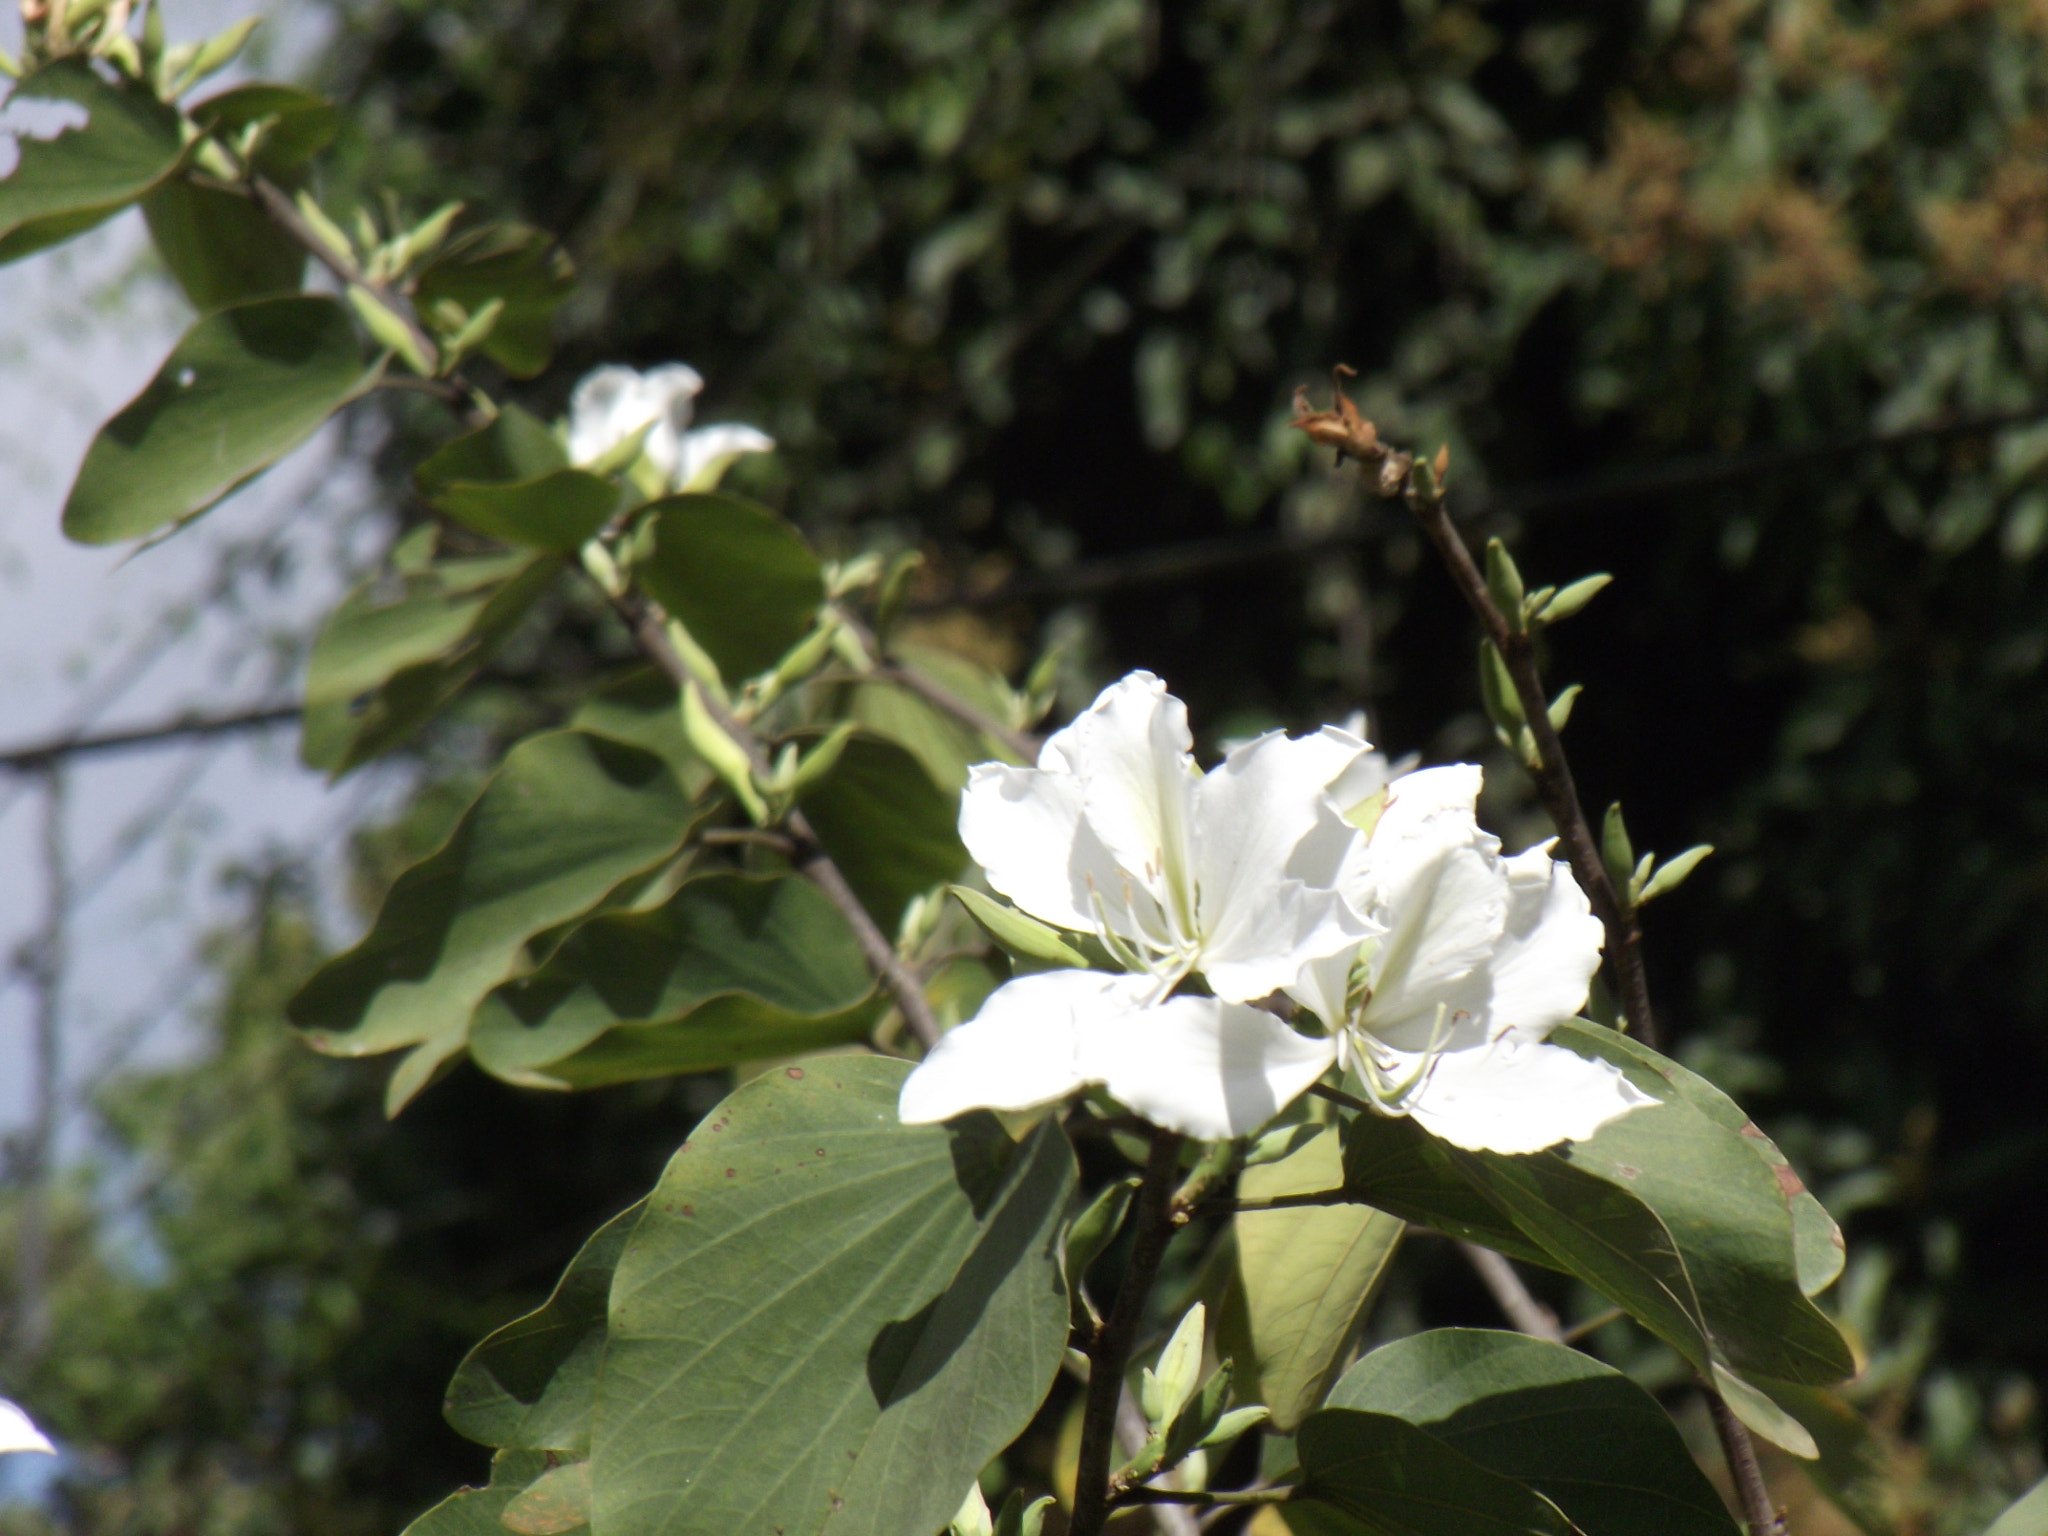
{"type": "Point", "coordinates": [19, 1433]}
{"type": "Point", "coordinates": [612, 403]}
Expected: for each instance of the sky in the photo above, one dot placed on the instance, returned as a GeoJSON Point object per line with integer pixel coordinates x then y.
{"type": "Point", "coordinates": [97, 640]}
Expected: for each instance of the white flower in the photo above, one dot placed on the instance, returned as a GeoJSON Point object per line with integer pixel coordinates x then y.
{"type": "Point", "coordinates": [1442, 1012]}
{"type": "Point", "coordinates": [1229, 876]}
{"type": "Point", "coordinates": [611, 403]}
{"type": "Point", "coordinates": [19, 1433]}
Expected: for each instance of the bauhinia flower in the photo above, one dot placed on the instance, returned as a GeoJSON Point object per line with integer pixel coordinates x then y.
{"type": "Point", "coordinates": [1428, 968]}
{"type": "Point", "coordinates": [611, 403]}
{"type": "Point", "coordinates": [19, 1433]}
{"type": "Point", "coordinates": [1227, 879]}
{"type": "Point", "coordinates": [1442, 1013]}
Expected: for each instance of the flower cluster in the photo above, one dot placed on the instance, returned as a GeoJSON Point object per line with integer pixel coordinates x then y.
{"type": "Point", "coordinates": [1291, 911]}
{"type": "Point", "coordinates": [612, 403]}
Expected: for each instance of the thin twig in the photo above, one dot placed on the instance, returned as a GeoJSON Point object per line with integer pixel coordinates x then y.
{"type": "Point", "coordinates": [806, 853]}
{"type": "Point", "coordinates": [1228, 1499]}
{"type": "Point", "coordinates": [1552, 774]}
{"type": "Point", "coordinates": [1758, 1513]}
{"type": "Point", "coordinates": [1110, 1350]}
{"type": "Point", "coordinates": [1344, 429]}
{"type": "Point", "coordinates": [1528, 1314]}
{"type": "Point", "coordinates": [182, 728]}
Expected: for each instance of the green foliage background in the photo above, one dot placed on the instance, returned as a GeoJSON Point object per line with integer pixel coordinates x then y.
{"type": "Point", "coordinates": [1029, 286]}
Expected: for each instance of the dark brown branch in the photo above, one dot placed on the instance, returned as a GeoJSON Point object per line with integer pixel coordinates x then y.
{"type": "Point", "coordinates": [1109, 1353]}
{"type": "Point", "coordinates": [1758, 1513]}
{"type": "Point", "coordinates": [183, 728]}
{"type": "Point", "coordinates": [1552, 774]}
{"type": "Point", "coordinates": [806, 853]}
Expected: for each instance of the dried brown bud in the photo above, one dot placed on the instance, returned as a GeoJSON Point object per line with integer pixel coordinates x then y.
{"type": "Point", "coordinates": [1443, 463]}
{"type": "Point", "coordinates": [1341, 427]}
{"type": "Point", "coordinates": [1394, 473]}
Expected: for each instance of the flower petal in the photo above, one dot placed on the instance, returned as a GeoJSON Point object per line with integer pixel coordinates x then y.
{"type": "Point", "coordinates": [1204, 1066]}
{"type": "Point", "coordinates": [19, 1433]}
{"type": "Point", "coordinates": [1023, 1049]}
{"type": "Point", "coordinates": [1432, 970]}
{"type": "Point", "coordinates": [1135, 758]}
{"type": "Point", "coordinates": [704, 455]}
{"type": "Point", "coordinates": [1264, 823]}
{"type": "Point", "coordinates": [1549, 952]}
{"type": "Point", "coordinates": [1021, 824]}
{"type": "Point", "coordinates": [1427, 813]}
{"type": "Point", "coordinates": [1520, 1096]}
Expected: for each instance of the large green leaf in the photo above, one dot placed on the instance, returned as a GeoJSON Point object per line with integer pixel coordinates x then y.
{"type": "Point", "coordinates": [478, 1511]}
{"type": "Point", "coordinates": [730, 968]}
{"type": "Point", "coordinates": [511, 481]}
{"type": "Point", "coordinates": [891, 830]}
{"type": "Point", "coordinates": [242, 388]}
{"type": "Point", "coordinates": [741, 579]}
{"type": "Point", "coordinates": [1578, 1432]}
{"type": "Point", "coordinates": [1817, 1241]}
{"type": "Point", "coordinates": [566, 819]}
{"type": "Point", "coordinates": [219, 246]}
{"type": "Point", "coordinates": [829, 1321]}
{"type": "Point", "coordinates": [402, 646]}
{"type": "Point", "coordinates": [64, 185]}
{"type": "Point", "coordinates": [522, 266]}
{"type": "Point", "coordinates": [1388, 1478]}
{"type": "Point", "coordinates": [1305, 1279]}
{"type": "Point", "coordinates": [533, 1383]}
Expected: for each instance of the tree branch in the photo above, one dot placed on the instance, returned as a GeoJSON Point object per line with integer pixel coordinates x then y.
{"type": "Point", "coordinates": [1109, 1353]}
{"type": "Point", "coordinates": [1528, 1314]}
{"type": "Point", "coordinates": [1758, 1513]}
{"type": "Point", "coordinates": [806, 853]}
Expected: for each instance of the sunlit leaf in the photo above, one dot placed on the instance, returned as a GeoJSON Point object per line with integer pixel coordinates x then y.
{"type": "Point", "coordinates": [65, 185]}
{"type": "Point", "coordinates": [907, 1329]}
{"type": "Point", "coordinates": [242, 388]}
{"type": "Point", "coordinates": [741, 579]}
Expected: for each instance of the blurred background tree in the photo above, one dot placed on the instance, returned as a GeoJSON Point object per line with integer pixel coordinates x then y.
{"type": "Point", "coordinates": [1743, 300]}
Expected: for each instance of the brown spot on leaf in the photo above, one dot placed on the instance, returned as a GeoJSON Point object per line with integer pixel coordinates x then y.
{"type": "Point", "coordinates": [794, 1072]}
{"type": "Point", "coordinates": [732, 1173]}
{"type": "Point", "coordinates": [1788, 1181]}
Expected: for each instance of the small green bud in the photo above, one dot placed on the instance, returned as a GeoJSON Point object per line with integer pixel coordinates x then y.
{"type": "Point", "coordinates": [389, 331]}
{"type": "Point", "coordinates": [1166, 1389]}
{"type": "Point", "coordinates": [1561, 706]}
{"type": "Point", "coordinates": [821, 759]}
{"type": "Point", "coordinates": [973, 1519]}
{"type": "Point", "coordinates": [1497, 689]}
{"type": "Point", "coordinates": [1504, 583]}
{"type": "Point", "coordinates": [723, 755]}
{"type": "Point", "coordinates": [1097, 1226]}
{"type": "Point", "coordinates": [1023, 1515]}
{"type": "Point", "coordinates": [1572, 598]}
{"type": "Point", "coordinates": [895, 585]}
{"type": "Point", "coordinates": [1671, 874]}
{"type": "Point", "coordinates": [1616, 851]}
{"type": "Point", "coordinates": [471, 334]}
{"type": "Point", "coordinates": [1638, 876]}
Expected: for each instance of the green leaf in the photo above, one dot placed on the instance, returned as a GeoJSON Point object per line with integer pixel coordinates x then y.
{"type": "Point", "coordinates": [829, 1321]}
{"type": "Point", "coordinates": [1393, 1479]}
{"type": "Point", "coordinates": [402, 646]}
{"type": "Point", "coordinates": [1400, 1168]}
{"type": "Point", "coordinates": [639, 707]}
{"type": "Point", "coordinates": [476, 1511]}
{"type": "Point", "coordinates": [516, 263]}
{"type": "Point", "coordinates": [64, 185]}
{"type": "Point", "coordinates": [243, 388]}
{"type": "Point", "coordinates": [556, 1502]}
{"type": "Point", "coordinates": [1578, 1432]}
{"type": "Point", "coordinates": [510, 481]}
{"type": "Point", "coordinates": [565, 819]}
{"type": "Point", "coordinates": [1306, 1277]}
{"type": "Point", "coordinates": [741, 579]}
{"type": "Point", "coordinates": [2028, 1516]}
{"type": "Point", "coordinates": [942, 742]}
{"type": "Point", "coordinates": [1671, 874]}
{"type": "Point", "coordinates": [1015, 932]}
{"type": "Point", "coordinates": [1818, 1246]}
{"type": "Point", "coordinates": [531, 1384]}
{"type": "Point", "coordinates": [220, 247]}
{"type": "Point", "coordinates": [298, 123]}
{"type": "Point", "coordinates": [730, 968]}
{"type": "Point", "coordinates": [889, 828]}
